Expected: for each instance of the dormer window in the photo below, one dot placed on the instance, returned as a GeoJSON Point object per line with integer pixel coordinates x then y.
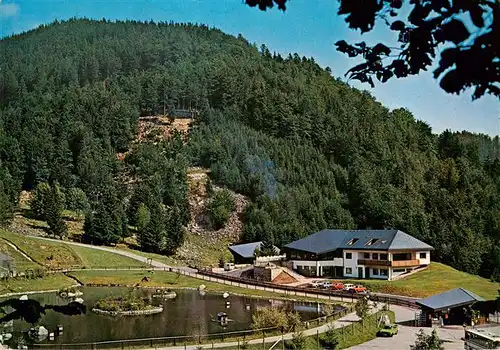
{"type": "Point", "coordinates": [353, 241]}
{"type": "Point", "coordinates": [372, 241]}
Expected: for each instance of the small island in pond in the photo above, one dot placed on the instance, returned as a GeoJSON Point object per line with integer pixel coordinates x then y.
{"type": "Point", "coordinates": [69, 292]}
{"type": "Point", "coordinates": [129, 305]}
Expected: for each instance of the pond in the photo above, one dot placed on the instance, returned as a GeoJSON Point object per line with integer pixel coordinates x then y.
{"type": "Point", "coordinates": [190, 313]}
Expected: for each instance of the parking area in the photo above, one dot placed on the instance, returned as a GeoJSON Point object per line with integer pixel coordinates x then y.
{"type": "Point", "coordinates": [329, 284]}
{"type": "Point", "coordinates": [407, 337]}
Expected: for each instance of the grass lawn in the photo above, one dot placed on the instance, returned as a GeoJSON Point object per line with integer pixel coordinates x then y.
{"type": "Point", "coordinates": [98, 258]}
{"type": "Point", "coordinates": [437, 278]}
{"type": "Point", "coordinates": [157, 257]}
{"type": "Point", "coordinates": [60, 255]}
{"type": "Point", "coordinates": [21, 263]}
{"type": "Point", "coordinates": [170, 280]}
{"type": "Point", "coordinates": [45, 253]}
{"type": "Point", "coordinates": [359, 333]}
{"type": "Point", "coordinates": [53, 281]}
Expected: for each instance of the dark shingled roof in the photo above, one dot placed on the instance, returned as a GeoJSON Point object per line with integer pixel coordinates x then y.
{"type": "Point", "coordinates": [450, 299]}
{"type": "Point", "coordinates": [329, 240]}
{"type": "Point", "coordinates": [247, 250]}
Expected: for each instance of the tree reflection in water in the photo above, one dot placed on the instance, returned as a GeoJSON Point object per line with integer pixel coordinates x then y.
{"type": "Point", "coordinates": [31, 310]}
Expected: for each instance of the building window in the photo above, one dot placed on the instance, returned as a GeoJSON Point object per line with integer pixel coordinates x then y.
{"type": "Point", "coordinates": [401, 256]}
{"type": "Point", "coordinates": [383, 256]}
{"type": "Point", "coordinates": [348, 255]}
{"type": "Point", "coordinates": [384, 272]}
{"type": "Point", "coordinates": [423, 255]}
{"type": "Point", "coordinates": [367, 255]}
{"type": "Point", "coordinates": [375, 256]}
{"type": "Point", "coordinates": [353, 241]}
{"type": "Point", "coordinates": [372, 241]}
{"type": "Point", "coordinates": [375, 272]}
{"type": "Point", "coordinates": [348, 270]}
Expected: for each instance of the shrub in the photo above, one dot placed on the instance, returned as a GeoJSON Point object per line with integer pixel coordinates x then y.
{"type": "Point", "coordinates": [38, 202]}
{"type": "Point", "coordinates": [427, 342]}
{"type": "Point", "coordinates": [275, 317]}
{"type": "Point", "coordinates": [327, 309]}
{"type": "Point", "coordinates": [330, 339]}
{"type": "Point", "coordinates": [127, 303]}
{"type": "Point", "coordinates": [362, 308]}
{"type": "Point", "coordinates": [298, 341]}
{"type": "Point", "coordinates": [76, 200]}
{"type": "Point", "coordinates": [220, 207]}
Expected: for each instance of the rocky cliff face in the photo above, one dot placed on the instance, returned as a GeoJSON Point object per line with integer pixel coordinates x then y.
{"type": "Point", "coordinates": [204, 245]}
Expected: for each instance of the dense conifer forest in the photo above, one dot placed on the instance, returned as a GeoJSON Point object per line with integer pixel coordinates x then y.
{"type": "Point", "coordinates": [309, 151]}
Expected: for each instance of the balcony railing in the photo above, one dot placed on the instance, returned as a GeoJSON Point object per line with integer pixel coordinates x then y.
{"type": "Point", "coordinates": [405, 263]}
{"type": "Point", "coordinates": [368, 262]}
{"type": "Point", "coordinates": [399, 263]}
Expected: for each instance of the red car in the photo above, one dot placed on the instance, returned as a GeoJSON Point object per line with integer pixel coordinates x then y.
{"type": "Point", "coordinates": [338, 286]}
{"type": "Point", "coordinates": [359, 289]}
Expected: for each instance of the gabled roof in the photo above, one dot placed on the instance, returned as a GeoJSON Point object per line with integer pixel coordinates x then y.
{"type": "Point", "coordinates": [320, 242]}
{"type": "Point", "coordinates": [329, 240]}
{"type": "Point", "coordinates": [404, 241]}
{"type": "Point", "coordinates": [247, 250]}
{"type": "Point", "coordinates": [450, 299]}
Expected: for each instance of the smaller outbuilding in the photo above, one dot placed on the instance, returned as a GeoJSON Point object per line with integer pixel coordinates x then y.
{"type": "Point", "coordinates": [245, 253]}
{"type": "Point", "coordinates": [454, 307]}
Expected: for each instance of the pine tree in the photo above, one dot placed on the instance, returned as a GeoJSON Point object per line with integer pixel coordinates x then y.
{"type": "Point", "coordinates": [267, 247]}
{"type": "Point", "coordinates": [6, 207]}
{"type": "Point", "coordinates": [142, 217]}
{"type": "Point", "coordinates": [175, 230]}
{"type": "Point", "coordinates": [53, 212]}
{"type": "Point", "coordinates": [152, 238]}
{"type": "Point", "coordinates": [106, 222]}
{"type": "Point", "coordinates": [38, 202]}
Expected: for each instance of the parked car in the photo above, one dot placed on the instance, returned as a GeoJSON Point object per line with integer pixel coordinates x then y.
{"type": "Point", "coordinates": [388, 330]}
{"type": "Point", "coordinates": [359, 289]}
{"type": "Point", "coordinates": [327, 284]}
{"type": "Point", "coordinates": [348, 287]}
{"type": "Point", "coordinates": [338, 286]}
{"type": "Point", "coordinates": [316, 284]}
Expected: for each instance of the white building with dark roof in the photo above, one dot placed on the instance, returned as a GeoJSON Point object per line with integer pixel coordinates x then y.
{"type": "Point", "coordinates": [380, 254]}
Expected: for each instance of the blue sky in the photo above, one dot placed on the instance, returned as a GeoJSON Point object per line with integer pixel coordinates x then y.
{"type": "Point", "coordinates": [307, 30]}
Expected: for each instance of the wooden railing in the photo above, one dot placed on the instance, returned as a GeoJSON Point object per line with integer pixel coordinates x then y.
{"type": "Point", "coordinates": [405, 263]}
{"type": "Point", "coordinates": [367, 262]}
{"type": "Point", "coordinates": [397, 263]}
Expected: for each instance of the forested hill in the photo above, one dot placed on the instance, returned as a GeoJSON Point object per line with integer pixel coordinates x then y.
{"type": "Point", "coordinates": [310, 151]}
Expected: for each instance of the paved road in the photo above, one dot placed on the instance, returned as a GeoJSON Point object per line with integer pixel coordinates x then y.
{"type": "Point", "coordinates": [407, 335]}
{"type": "Point", "coordinates": [131, 255]}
